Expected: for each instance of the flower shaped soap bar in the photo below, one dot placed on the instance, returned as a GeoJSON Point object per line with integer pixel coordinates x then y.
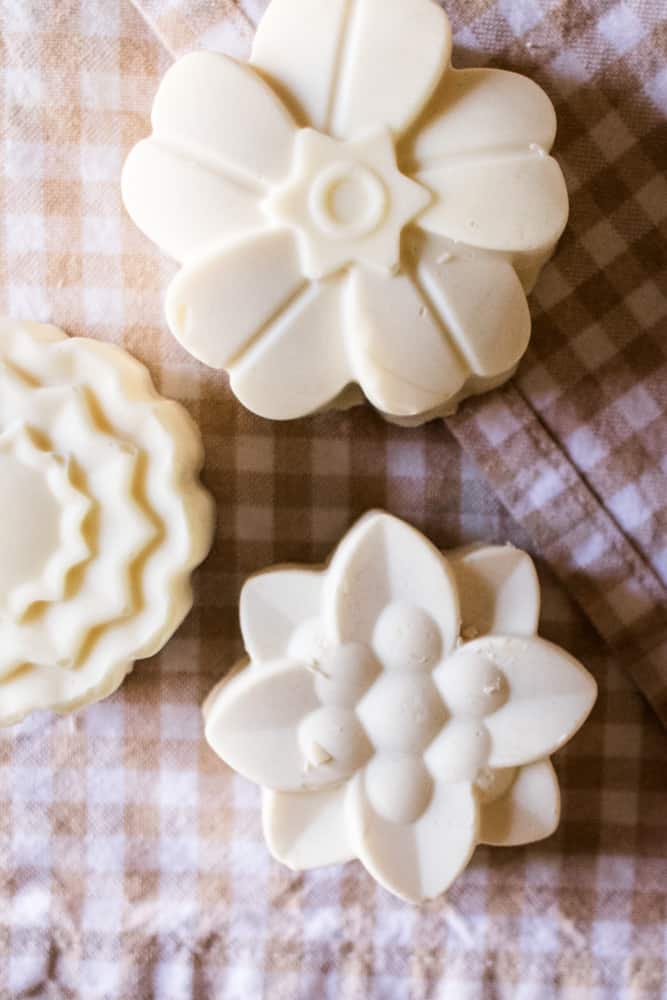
{"type": "Point", "coordinates": [399, 707]}
{"type": "Point", "coordinates": [350, 212]}
{"type": "Point", "coordinates": [102, 518]}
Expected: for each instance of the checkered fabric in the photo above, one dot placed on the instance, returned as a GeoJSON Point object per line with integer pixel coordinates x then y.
{"type": "Point", "coordinates": [132, 864]}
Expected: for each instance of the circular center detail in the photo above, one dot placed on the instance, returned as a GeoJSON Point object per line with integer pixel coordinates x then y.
{"type": "Point", "coordinates": [347, 201]}
{"type": "Point", "coordinates": [29, 525]}
{"type": "Point", "coordinates": [402, 712]}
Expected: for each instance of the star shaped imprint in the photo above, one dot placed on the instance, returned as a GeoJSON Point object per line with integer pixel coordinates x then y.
{"type": "Point", "coordinates": [354, 217]}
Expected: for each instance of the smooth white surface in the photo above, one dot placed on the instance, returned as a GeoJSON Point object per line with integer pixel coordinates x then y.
{"type": "Point", "coordinates": [102, 518]}
{"type": "Point", "coordinates": [350, 211]}
{"type": "Point", "coordinates": [411, 712]}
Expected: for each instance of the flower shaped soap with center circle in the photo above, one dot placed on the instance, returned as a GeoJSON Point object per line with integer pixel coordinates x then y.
{"type": "Point", "coordinates": [102, 518]}
{"type": "Point", "coordinates": [376, 729]}
{"type": "Point", "coordinates": [351, 213]}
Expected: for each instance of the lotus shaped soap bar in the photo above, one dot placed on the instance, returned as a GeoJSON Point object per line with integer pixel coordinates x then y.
{"type": "Point", "coordinates": [398, 707]}
{"type": "Point", "coordinates": [102, 518]}
{"type": "Point", "coordinates": [353, 216]}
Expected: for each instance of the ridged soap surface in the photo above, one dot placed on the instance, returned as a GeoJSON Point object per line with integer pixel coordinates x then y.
{"type": "Point", "coordinates": [353, 216]}
{"type": "Point", "coordinates": [102, 518]}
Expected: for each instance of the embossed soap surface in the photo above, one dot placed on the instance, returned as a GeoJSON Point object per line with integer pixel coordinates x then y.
{"type": "Point", "coordinates": [352, 214]}
{"type": "Point", "coordinates": [102, 518]}
{"type": "Point", "coordinates": [398, 707]}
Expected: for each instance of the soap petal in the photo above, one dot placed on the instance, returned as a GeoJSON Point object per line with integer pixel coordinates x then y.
{"type": "Point", "coordinates": [347, 65]}
{"type": "Point", "coordinates": [223, 112]}
{"type": "Point", "coordinates": [252, 723]}
{"type": "Point", "coordinates": [223, 298]}
{"type": "Point", "coordinates": [383, 561]}
{"type": "Point", "coordinates": [400, 354]}
{"type": "Point", "coordinates": [307, 829]}
{"type": "Point", "coordinates": [475, 110]}
{"type": "Point", "coordinates": [528, 811]}
{"type": "Point", "coordinates": [515, 202]}
{"type": "Point", "coordinates": [184, 205]}
{"type": "Point", "coordinates": [550, 696]}
{"type": "Point", "coordinates": [273, 605]}
{"type": "Point", "coordinates": [480, 301]}
{"type": "Point", "coordinates": [299, 364]}
{"type": "Point", "coordinates": [420, 860]}
{"type": "Point", "coordinates": [499, 591]}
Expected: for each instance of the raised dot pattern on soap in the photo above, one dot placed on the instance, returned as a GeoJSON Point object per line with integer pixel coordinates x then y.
{"type": "Point", "coordinates": [366, 694]}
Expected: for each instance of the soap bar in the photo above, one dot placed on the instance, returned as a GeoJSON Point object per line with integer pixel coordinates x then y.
{"type": "Point", "coordinates": [353, 216]}
{"type": "Point", "coordinates": [398, 707]}
{"type": "Point", "coordinates": [102, 518]}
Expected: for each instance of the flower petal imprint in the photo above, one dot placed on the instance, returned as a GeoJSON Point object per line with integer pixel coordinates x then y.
{"type": "Point", "coordinates": [102, 518]}
{"type": "Point", "coordinates": [398, 707]}
{"type": "Point", "coordinates": [353, 216]}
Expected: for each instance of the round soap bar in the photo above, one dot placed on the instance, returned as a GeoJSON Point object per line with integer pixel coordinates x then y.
{"type": "Point", "coordinates": [102, 518]}
{"type": "Point", "coordinates": [398, 707]}
{"type": "Point", "coordinates": [355, 218]}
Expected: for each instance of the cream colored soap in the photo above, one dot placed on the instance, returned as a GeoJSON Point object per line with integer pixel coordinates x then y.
{"type": "Point", "coordinates": [353, 216]}
{"type": "Point", "coordinates": [102, 518]}
{"type": "Point", "coordinates": [398, 707]}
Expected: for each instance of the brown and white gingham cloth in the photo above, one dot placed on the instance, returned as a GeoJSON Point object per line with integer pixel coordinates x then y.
{"type": "Point", "coordinates": [132, 865]}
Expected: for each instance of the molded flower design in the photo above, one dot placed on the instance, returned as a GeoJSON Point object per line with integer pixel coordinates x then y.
{"type": "Point", "coordinates": [350, 212]}
{"type": "Point", "coordinates": [399, 707]}
{"type": "Point", "coordinates": [102, 518]}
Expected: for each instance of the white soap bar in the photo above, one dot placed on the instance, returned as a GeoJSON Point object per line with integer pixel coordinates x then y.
{"type": "Point", "coordinates": [102, 518]}
{"type": "Point", "coordinates": [398, 707]}
{"type": "Point", "coordinates": [353, 215]}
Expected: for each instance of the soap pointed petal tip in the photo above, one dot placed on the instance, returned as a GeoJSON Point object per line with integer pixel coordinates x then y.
{"type": "Point", "coordinates": [252, 723]}
{"type": "Point", "coordinates": [388, 562]}
{"type": "Point", "coordinates": [305, 830]}
{"type": "Point", "coordinates": [528, 811]}
{"type": "Point", "coordinates": [268, 724]}
{"type": "Point", "coordinates": [498, 589]}
{"type": "Point", "coordinates": [273, 606]}
{"type": "Point", "coordinates": [551, 695]}
{"type": "Point", "coordinates": [416, 861]}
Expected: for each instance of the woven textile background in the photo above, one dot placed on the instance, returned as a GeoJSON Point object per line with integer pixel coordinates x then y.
{"type": "Point", "coordinates": [132, 864]}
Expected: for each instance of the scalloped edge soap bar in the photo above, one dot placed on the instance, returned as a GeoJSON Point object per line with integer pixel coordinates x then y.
{"type": "Point", "coordinates": [354, 217]}
{"type": "Point", "coordinates": [102, 518]}
{"type": "Point", "coordinates": [398, 707]}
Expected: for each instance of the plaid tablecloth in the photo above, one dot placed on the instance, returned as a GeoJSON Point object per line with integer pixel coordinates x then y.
{"type": "Point", "coordinates": [131, 861]}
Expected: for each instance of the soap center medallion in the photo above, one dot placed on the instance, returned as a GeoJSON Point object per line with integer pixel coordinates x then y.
{"type": "Point", "coordinates": [348, 202]}
{"type": "Point", "coordinates": [41, 518]}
